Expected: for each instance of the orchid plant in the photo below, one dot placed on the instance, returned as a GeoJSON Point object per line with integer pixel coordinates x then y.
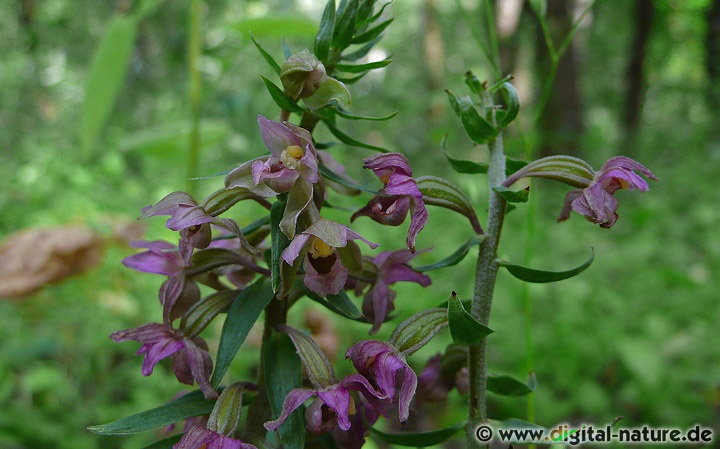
{"type": "Point", "coordinates": [294, 253]}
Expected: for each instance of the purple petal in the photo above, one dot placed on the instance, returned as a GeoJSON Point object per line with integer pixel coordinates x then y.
{"type": "Point", "coordinates": [567, 205]}
{"type": "Point", "coordinates": [619, 178]}
{"type": "Point", "coordinates": [293, 400]}
{"type": "Point", "coordinates": [377, 304]}
{"type": "Point", "coordinates": [277, 137]}
{"type": "Point", "coordinates": [387, 210]}
{"type": "Point", "coordinates": [358, 382]}
{"type": "Point", "coordinates": [274, 175]}
{"type": "Point", "coordinates": [242, 176]}
{"type": "Point", "coordinates": [186, 216]}
{"type": "Point", "coordinates": [397, 273]}
{"type": "Point", "coordinates": [408, 385]}
{"type": "Point", "coordinates": [337, 399]}
{"type": "Point", "coordinates": [352, 235]}
{"type": "Point", "coordinates": [627, 164]}
{"type": "Point", "coordinates": [389, 162]}
{"type": "Point", "coordinates": [292, 252]}
{"type": "Point", "coordinates": [169, 204]}
{"type": "Point", "coordinates": [309, 167]}
{"type": "Point", "coordinates": [195, 438]}
{"type": "Point", "coordinates": [329, 283]}
{"type": "Point", "coordinates": [400, 184]}
{"type": "Point", "coordinates": [418, 218]}
{"type": "Point", "coordinates": [200, 364]}
{"type": "Point", "coordinates": [167, 263]}
{"type": "Point", "coordinates": [386, 367]}
{"type": "Point", "coordinates": [157, 351]}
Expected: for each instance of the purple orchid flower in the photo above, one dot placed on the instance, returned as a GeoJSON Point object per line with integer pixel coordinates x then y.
{"type": "Point", "coordinates": [191, 360]}
{"type": "Point", "coordinates": [324, 271]}
{"type": "Point", "coordinates": [336, 397]}
{"type": "Point", "coordinates": [596, 202]}
{"type": "Point", "coordinates": [178, 293]}
{"type": "Point", "coordinates": [202, 438]}
{"type": "Point", "coordinates": [392, 267]}
{"type": "Point", "coordinates": [400, 194]}
{"type": "Point", "coordinates": [186, 216]}
{"type": "Point", "coordinates": [386, 367]}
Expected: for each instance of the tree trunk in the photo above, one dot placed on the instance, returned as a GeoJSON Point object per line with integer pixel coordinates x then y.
{"type": "Point", "coordinates": [635, 75]}
{"type": "Point", "coordinates": [561, 123]}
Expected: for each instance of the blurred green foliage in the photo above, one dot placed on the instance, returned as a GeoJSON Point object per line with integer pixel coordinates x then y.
{"type": "Point", "coordinates": [635, 335]}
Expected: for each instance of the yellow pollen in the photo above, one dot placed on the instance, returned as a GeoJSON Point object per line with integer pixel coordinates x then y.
{"type": "Point", "coordinates": [320, 249]}
{"type": "Point", "coordinates": [351, 407]}
{"type": "Point", "coordinates": [385, 178]}
{"type": "Point", "coordinates": [294, 151]}
{"type": "Point", "coordinates": [370, 362]}
{"type": "Point", "coordinates": [623, 183]}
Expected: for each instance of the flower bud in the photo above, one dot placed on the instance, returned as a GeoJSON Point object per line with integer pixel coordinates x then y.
{"type": "Point", "coordinates": [302, 74]}
{"type": "Point", "coordinates": [413, 333]}
{"type": "Point", "coordinates": [317, 366]}
{"type": "Point", "coordinates": [225, 416]}
{"type": "Point", "coordinates": [203, 312]}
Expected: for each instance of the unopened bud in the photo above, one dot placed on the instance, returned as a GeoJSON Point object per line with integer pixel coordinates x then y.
{"type": "Point", "coordinates": [225, 416]}
{"type": "Point", "coordinates": [413, 333]}
{"type": "Point", "coordinates": [302, 74]}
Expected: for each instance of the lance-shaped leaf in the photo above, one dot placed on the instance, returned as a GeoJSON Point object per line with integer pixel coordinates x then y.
{"type": "Point", "coordinates": [540, 276]}
{"type": "Point", "coordinates": [513, 196]}
{"type": "Point", "coordinates": [441, 192]}
{"type": "Point", "coordinates": [359, 68]}
{"type": "Point", "coordinates": [280, 99]}
{"type": "Point", "coordinates": [512, 165]}
{"type": "Point", "coordinates": [344, 138]}
{"type": "Point", "coordinates": [211, 258]}
{"type": "Point", "coordinates": [340, 304]}
{"type": "Point", "coordinates": [361, 52]}
{"type": "Point", "coordinates": [418, 439]}
{"type": "Point", "coordinates": [191, 404]}
{"type": "Point", "coordinates": [463, 166]}
{"type": "Point", "coordinates": [325, 32]}
{"type": "Point", "coordinates": [567, 169]}
{"type": "Point", "coordinates": [283, 373]}
{"type": "Point", "coordinates": [413, 333]}
{"type": "Point", "coordinates": [278, 243]}
{"type": "Point", "coordinates": [330, 91]}
{"type": "Point", "coordinates": [345, 24]}
{"type": "Point", "coordinates": [222, 200]}
{"type": "Point", "coordinates": [372, 33]}
{"type": "Point", "coordinates": [465, 329]}
{"type": "Point", "coordinates": [507, 386]}
{"type": "Point", "coordinates": [349, 116]}
{"type": "Point", "coordinates": [197, 318]}
{"type": "Point", "coordinates": [266, 56]}
{"type": "Point", "coordinates": [317, 366]}
{"type": "Point", "coordinates": [513, 105]}
{"type": "Point", "coordinates": [474, 83]}
{"type": "Point", "coordinates": [243, 313]}
{"type": "Point", "coordinates": [455, 257]}
{"type": "Point", "coordinates": [477, 127]}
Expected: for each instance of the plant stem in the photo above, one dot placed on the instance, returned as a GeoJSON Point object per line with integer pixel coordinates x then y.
{"type": "Point", "coordinates": [194, 48]}
{"type": "Point", "coordinates": [485, 274]}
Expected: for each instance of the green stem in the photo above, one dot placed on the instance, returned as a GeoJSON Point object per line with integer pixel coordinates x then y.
{"type": "Point", "coordinates": [485, 275]}
{"type": "Point", "coordinates": [194, 49]}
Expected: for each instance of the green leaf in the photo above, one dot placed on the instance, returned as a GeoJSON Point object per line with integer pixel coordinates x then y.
{"type": "Point", "coordinates": [340, 304]}
{"type": "Point", "coordinates": [479, 129]}
{"type": "Point", "coordinates": [280, 98]}
{"type": "Point", "coordinates": [325, 33]}
{"type": "Point", "coordinates": [266, 56]}
{"type": "Point", "coordinates": [359, 68]}
{"type": "Point", "coordinates": [441, 192]}
{"type": "Point", "coordinates": [283, 373]}
{"type": "Point", "coordinates": [540, 7]}
{"type": "Point", "coordinates": [278, 242]}
{"type": "Point", "coordinates": [465, 329]}
{"type": "Point", "coordinates": [372, 33]}
{"type": "Point", "coordinates": [147, 7]}
{"type": "Point", "coordinates": [331, 175]}
{"type": "Point", "coordinates": [418, 439]}
{"type": "Point", "coordinates": [540, 276]}
{"type": "Point", "coordinates": [350, 116]}
{"type": "Point", "coordinates": [106, 78]}
{"type": "Point", "coordinates": [361, 52]}
{"type": "Point", "coordinates": [513, 196]}
{"type": "Point", "coordinates": [352, 79]}
{"type": "Point", "coordinates": [454, 258]}
{"type": "Point", "coordinates": [191, 404]}
{"type": "Point", "coordinates": [413, 333]}
{"type": "Point", "coordinates": [243, 313]}
{"type": "Point", "coordinates": [463, 166]}
{"type": "Point", "coordinates": [344, 138]}
{"type": "Point", "coordinates": [512, 165]}
{"type": "Point", "coordinates": [507, 386]}
{"type": "Point", "coordinates": [345, 24]}
{"type": "Point", "coordinates": [330, 90]}
{"type": "Point", "coordinates": [165, 443]}
{"type": "Point", "coordinates": [473, 82]}
{"type": "Point", "coordinates": [513, 104]}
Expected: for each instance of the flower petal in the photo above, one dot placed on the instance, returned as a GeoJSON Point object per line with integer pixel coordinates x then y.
{"type": "Point", "coordinates": [293, 400]}
{"type": "Point", "coordinates": [277, 137]}
{"type": "Point", "coordinates": [338, 400]}
{"type": "Point", "coordinates": [293, 250]}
